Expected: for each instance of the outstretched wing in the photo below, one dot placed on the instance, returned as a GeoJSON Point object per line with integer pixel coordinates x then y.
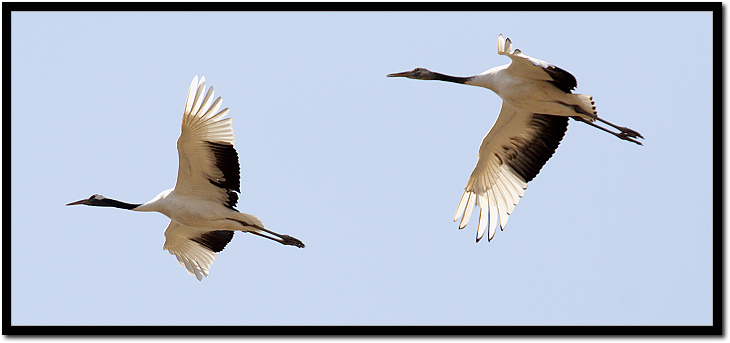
{"type": "Point", "coordinates": [194, 250]}
{"type": "Point", "coordinates": [208, 166]}
{"type": "Point", "coordinates": [511, 155]}
{"type": "Point", "coordinates": [534, 69]}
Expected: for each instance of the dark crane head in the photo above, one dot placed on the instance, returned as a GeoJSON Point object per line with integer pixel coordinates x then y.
{"type": "Point", "coordinates": [425, 74]}
{"type": "Point", "coordinates": [418, 74]}
{"type": "Point", "coordinates": [100, 200]}
{"type": "Point", "coordinates": [94, 200]}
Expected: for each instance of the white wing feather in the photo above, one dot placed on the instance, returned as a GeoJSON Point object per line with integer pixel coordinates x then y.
{"type": "Point", "coordinates": [194, 257]}
{"type": "Point", "coordinates": [494, 185]}
{"type": "Point", "coordinates": [514, 150]}
{"type": "Point", "coordinates": [522, 65]}
{"type": "Point", "coordinates": [200, 125]}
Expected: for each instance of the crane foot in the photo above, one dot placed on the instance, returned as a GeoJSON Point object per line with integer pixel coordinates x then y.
{"type": "Point", "coordinates": [289, 240]}
{"type": "Point", "coordinates": [626, 132]}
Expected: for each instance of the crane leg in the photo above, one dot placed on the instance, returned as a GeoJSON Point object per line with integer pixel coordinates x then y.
{"type": "Point", "coordinates": [625, 134]}
{"type": "Point", "coordinates": [283, 239]}
{"type": "Point", "coordinates": [259, 231]}
{"type": "Point", "coordinates": [625, 131]}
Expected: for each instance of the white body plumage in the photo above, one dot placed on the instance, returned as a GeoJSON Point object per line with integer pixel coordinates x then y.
{"type": "Point", "coordinates": [201, 207]}
{"type": "Point", "coordinates": [537, 102]}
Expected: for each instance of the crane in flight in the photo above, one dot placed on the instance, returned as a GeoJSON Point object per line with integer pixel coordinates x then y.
{"type": "Point", "coordinates": [201, 207]}
{"type": "Point", "coordinates": [536, 104]}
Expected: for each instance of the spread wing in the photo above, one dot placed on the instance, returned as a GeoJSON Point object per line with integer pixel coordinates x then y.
{"type": "Point", "coordinates": [194, 250]}
{"type": "Point", "coordinates": [511, 155]}
{"type": "Point", "coordinates": [208, 166]}
{"type": "Point", "coordinates": [534, 69]}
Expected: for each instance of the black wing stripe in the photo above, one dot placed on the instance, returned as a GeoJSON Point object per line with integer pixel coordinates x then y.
{"type": "Point", "coordinates": [527, 156]}
{"type": "Point", "coordinates": [226, 160]}
{"type": "Point", "coordinates": [562, 79]}
{"type": "Point", "coordinates": [215, 240]}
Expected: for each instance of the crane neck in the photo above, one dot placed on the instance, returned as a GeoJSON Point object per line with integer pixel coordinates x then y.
{"type": "Point", "coordinates": [449, 78]}
{"type": "Point", "coordinates": [118, 204]}
{"type": "Point", "coordinates": [485, 79]}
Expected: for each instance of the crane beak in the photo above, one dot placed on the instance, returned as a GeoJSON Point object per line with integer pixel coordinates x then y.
{"type": "Point", "coordinates": [408, 74]}
{"type": "Point", "coordinates": [80, 202]}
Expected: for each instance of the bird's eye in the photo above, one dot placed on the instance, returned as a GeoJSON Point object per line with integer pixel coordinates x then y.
{"type": "Point", "coordinates": [417, 70]}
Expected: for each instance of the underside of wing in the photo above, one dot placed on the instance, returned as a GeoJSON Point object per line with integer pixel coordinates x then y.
{"type": "Point", "coordinates": [534, 69]}
{"type": "Point", "coordinates": [208, 166]}
{"type": "Point", "coordinates": [195, 250]}
{"type": "Point", "coordinates": [511, 155]}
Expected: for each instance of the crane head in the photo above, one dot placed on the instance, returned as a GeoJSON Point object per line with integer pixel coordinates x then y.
{"type": "Point", "coordinates": [100, 200]}
{"type": "Point", "coordinates": [418, 74]}
{"type": "Point", "coordinates": [94, 200]}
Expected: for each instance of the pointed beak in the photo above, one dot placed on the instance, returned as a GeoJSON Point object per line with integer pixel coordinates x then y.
{"type": "Point", "coordinates": [403, 74]}
{"type": "Point", "coordinates": [80, 202]}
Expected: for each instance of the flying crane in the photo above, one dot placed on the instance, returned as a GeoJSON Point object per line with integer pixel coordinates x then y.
{"type": "Point", "coordinates": [537, 102]}
{"type": "Point", "coordinates": [201, 207]}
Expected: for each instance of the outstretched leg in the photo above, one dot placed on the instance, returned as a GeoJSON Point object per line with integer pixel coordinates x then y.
{"type": "Point", "coordinates": [625, 131]}
{"type": "Point", "coordinates": [625, 134]}
{"type": "Point", "coordinates": [259, 230]}
{"type": "Point", "coordinates": [283, 239]}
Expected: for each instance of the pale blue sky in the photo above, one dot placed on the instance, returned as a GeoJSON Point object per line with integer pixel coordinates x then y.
{"type": "Point", "coordinates": [366, 170]}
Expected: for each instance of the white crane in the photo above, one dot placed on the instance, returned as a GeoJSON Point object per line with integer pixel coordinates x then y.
{"type": "Point", "coordinates": [201, 206]}
{"type": "Point", "coordinates": [536, 104]}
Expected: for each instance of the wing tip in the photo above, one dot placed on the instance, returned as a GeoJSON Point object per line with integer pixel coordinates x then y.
{"type": "Point", "coordinates": [504, 46]}
{"type": "Point", "coordinates": [194, 264]}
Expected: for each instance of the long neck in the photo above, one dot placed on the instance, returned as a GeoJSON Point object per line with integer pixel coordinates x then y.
{"type": "Point", "coordinates": [116, 203]}
{"type": "Point", "coordinates": [449, 78]}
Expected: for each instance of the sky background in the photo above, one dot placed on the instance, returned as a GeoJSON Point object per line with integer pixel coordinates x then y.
{"type": "Point", "coordinates": [366, 170]}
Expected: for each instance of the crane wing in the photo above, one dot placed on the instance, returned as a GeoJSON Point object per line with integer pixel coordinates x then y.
{"type": "Point", "coordinates": [208, 166]}
{"type": "Point", "coordinates": [194, 250]}
{"type": "Point", "coordinates": [511, 154]}
{"type": "Point", "coordinates": [531, 68]}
